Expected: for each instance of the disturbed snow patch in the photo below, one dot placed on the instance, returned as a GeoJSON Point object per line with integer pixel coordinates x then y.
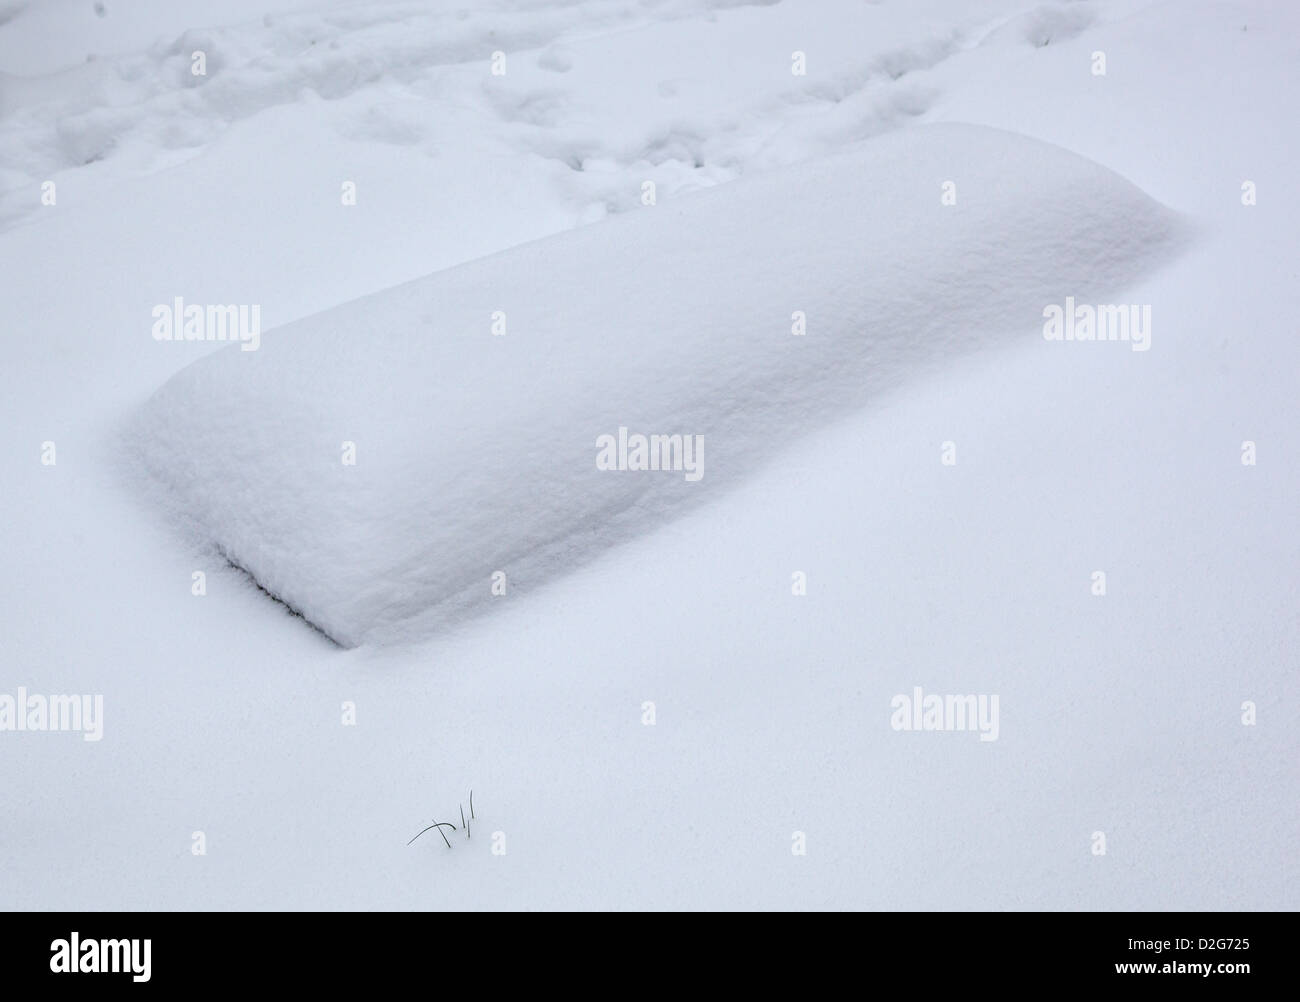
{"type": "Point", "coordinates": [1045, 25]}
{"type": "Point", "coordinates": [479, 401]}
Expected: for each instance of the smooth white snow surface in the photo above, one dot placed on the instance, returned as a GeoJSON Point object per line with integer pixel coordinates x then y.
{"type": "Point", "coordinates": [476, 451]}
{"type": "Point", "coordinates": [223, 714]}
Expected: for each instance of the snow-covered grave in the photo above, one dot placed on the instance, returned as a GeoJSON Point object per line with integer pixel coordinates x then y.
{"type": "Point", "coordinates": [376, 465]}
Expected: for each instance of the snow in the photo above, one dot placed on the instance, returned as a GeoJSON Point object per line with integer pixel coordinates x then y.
{"type": "Point", "coordinates": [221, 713]}
{"type": "Point", "coordinates": [476, 449]}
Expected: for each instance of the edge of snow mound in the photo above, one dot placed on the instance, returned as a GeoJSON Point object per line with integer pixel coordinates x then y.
{"type": "Point", "coordinates": [477, 453]}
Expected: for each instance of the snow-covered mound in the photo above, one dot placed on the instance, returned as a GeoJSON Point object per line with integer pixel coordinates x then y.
{"type": "Point", "coordinates": [473, 400]}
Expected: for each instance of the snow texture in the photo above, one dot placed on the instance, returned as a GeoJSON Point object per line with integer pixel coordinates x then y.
{"type": "Point", "coordinates": [476, 451]}
{"type": "Point", "coordinates": [1161, 714]}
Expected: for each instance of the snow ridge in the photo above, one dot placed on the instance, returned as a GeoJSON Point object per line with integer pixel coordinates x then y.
{"type": "Point", "coordinates": [473, 399]}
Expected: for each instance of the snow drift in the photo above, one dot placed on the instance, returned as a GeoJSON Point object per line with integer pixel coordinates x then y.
{"type": "Point", "coordinates": [473, 399]}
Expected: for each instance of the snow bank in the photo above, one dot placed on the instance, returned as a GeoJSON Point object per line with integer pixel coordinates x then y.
{"type": "Point", "coordinates": [476, 451]}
